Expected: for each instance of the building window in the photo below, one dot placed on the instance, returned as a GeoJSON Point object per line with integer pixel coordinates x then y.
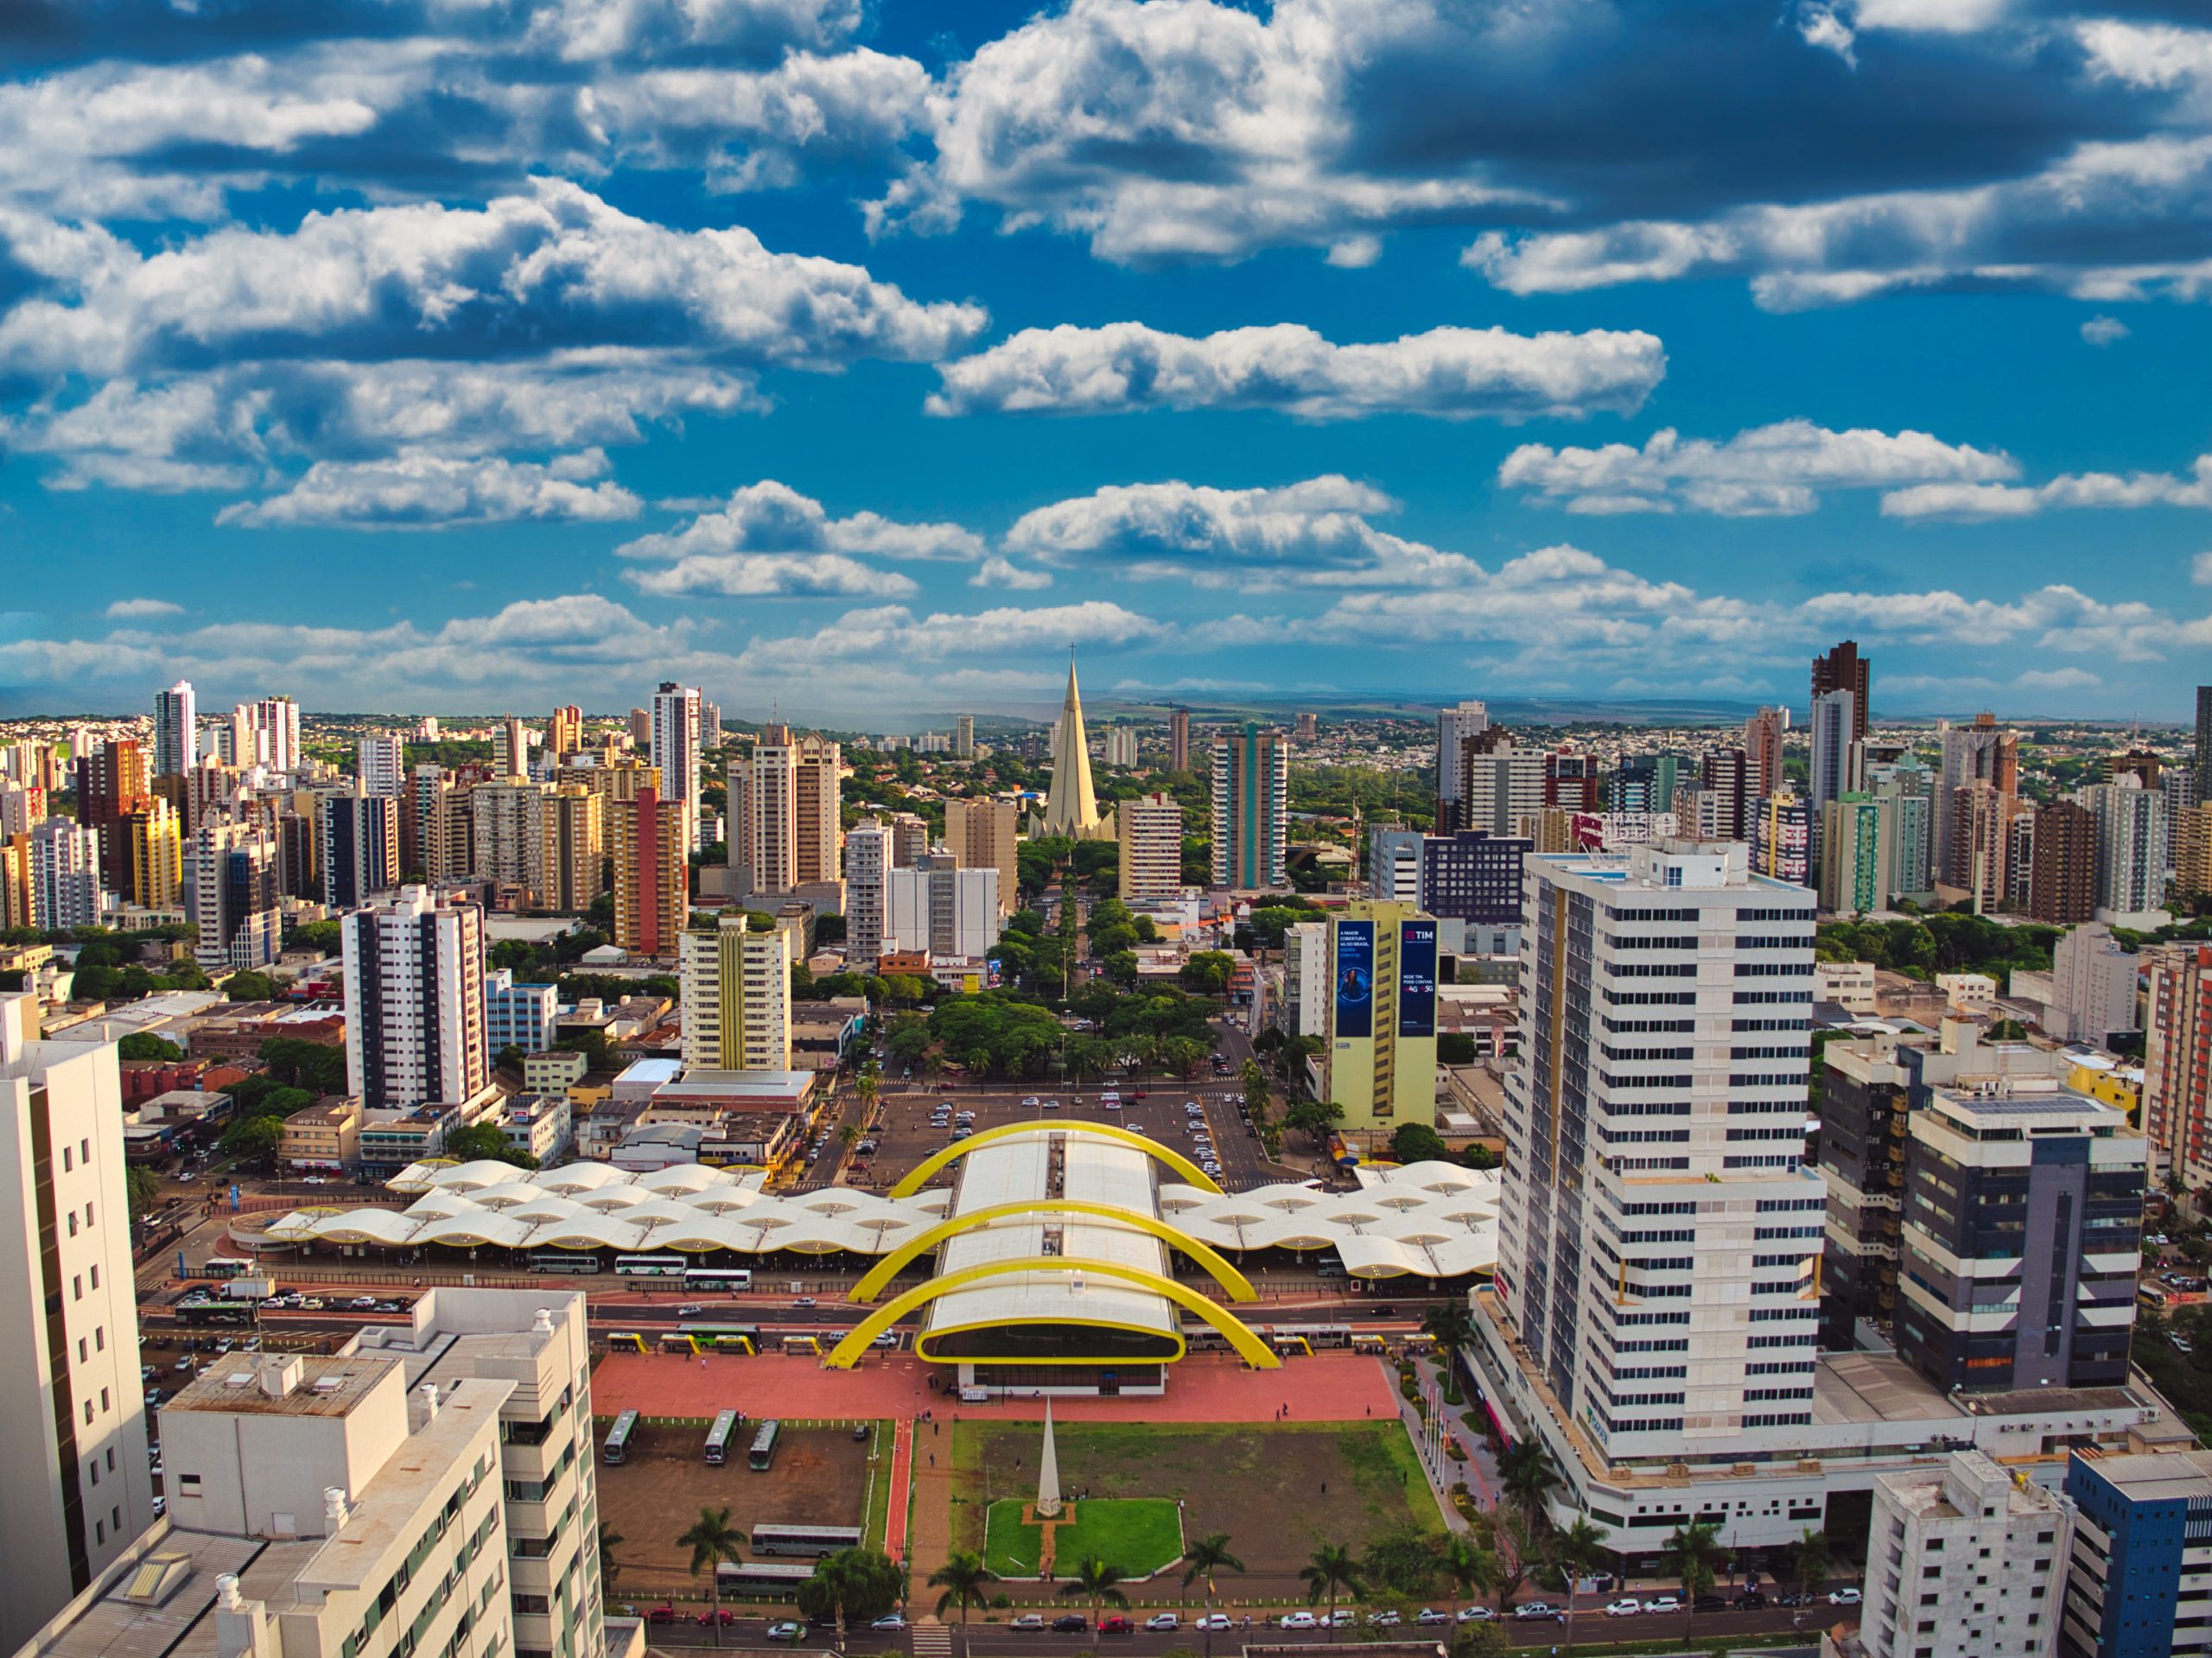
{"type": "Point", "coordinates": [88, 1412]}
{"type": "Point", "coordinates": [103, 1398]}
{"type": "Point", "coordinates": [96, 1278]}
{"type": "Point", "coordinates": [68, 1160]}
{"type": "Point", "coordinates": [99, 1531]}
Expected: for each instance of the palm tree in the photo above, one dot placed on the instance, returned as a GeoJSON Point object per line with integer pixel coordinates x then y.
{"type": "Point", "coordinates": [1208, 1555]}
{"type": "Point", "coordinates": [712, 1539]}
{"type": "Point", "coordinates": [1098, 1583]}
{"type": "Point", "coordinates": [609, 1567]}
{"type": "Point", "coordinates": [1528, 1474]}
{"type": "Point", "coordinates": [1693, 1554]}
{"type": "Point", "coordinates": [1576, 1550]}
{"type": "Point", "coordinates": [1330, 1571]}
{"type": "Point", "coordinates": [1451, 1327]}
{"type": "Point", "coordinates": [867, 1083]}
{"type": "Point", "coordinates": [962, 1577]}
{"type": "Point", "coordinates": [1813, 1562]}
{"type": "Point", "coordinates": [1467, 1565]}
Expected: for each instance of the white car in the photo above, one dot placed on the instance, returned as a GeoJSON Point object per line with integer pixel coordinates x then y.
{"type": "Point", "coordinates": [1843, 1597]}
{"type": "Point", "coordinates": [1163, 1621]}
{"type": "Point", "coordinates": [1343, 1618]}
{"type": "Point", "coordinates": [1478, 1614]}
{"type": "Point", "coordinates": [1213, 1621]}
{"type": "Point", "coordinates": [1297, 1621]}
{"type": "Point", "coordinates": [1663, 1604]}
{"type": "Point", "coordinates": [1627, 1607]}
{"type": "Point", "coordinates": [889, 1621]}
{"type": "Point", "coordinates": [1383, 1620]}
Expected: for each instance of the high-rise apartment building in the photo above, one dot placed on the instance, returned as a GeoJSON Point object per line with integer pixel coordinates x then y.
{"type": "Point", "coordinates": [1781, 840]}
{"type": "Point", "coordinates": [1474, 878]}
{"type": "Point", "coordinates": [1453, 726]}
{"type": "Point", "coordinates": [1762, 737]}
{"type": "Point", "coordinates": [910, 839]}
{"type": "Point", "coordinates": [1842, 668]}
{"type": "Point", "coordinates": [2022, 1200]}
{"type": "Point", "coordinates": [270, 730]}
{"type": "Point", "coordinates": [1965, 1558]}
{"type": "Point", "coordinates": [2189, 835]}
{"type": "Point", "coordinates": [1178, 739]}
{"type": "Point", "coordinates": [2131, 851]}
{"type": "Point", "coordinates": [510, 749]}
{"type": "Point", "coordinates": [981, 834]}
{"type": "Point", "coordinates": [1501, 786]}
{"type": "Point", "coordinates": [2062, 878]}
{"type": "Point", "coordinates": [737, 1012]}
{"type": "Point", "coordinates": [1982, 843]}
{"type": "Point", "coordinates": [111, 780]}
{"type": "Point", "coordinates": [787, 828]}
{"type": "Point", "coordinates": [16, 908]}
{"type": "Point", "coordinates": [564, 733]}
{"type": "Point", "coordinates": [437, 833]}
{"type": "Point", "coordinates": [508, 826]}
{"type": "Point", "coordinates": [381, 760]}
{"type": "Point", "coordinates": [230, 895]}
{"type": "Point", "coordinates": [867, 873]}
{"type": "Point", "coordinates": [2093, 988]}
{"type": "Point", "coordinates": [1303, 1008]}
{"type": "Point", "coordinates": [652, 873]}
{"type": "Point", "coordinates": [2204, 767]}
{"type": "Point", "coordinates": [1725, 775]}
{"type": "Point", "coordinates": [153, 834]}
{"type": "Point", "coordinates": [964, 737]}
{"type": "Point", "coordinates": [358, 839]}
{"type": "Point", "coordinates": [176, 730]}
{"type": "Point", "coordinates": [1251, 808]}
{"type": "Point", "coordinates": [675, 751]}
{"type": "Point", "coordinates": [1380, 1023]}
{"type": "Point", "coordinates": [518, 1015]}
{"type": "Point", "coordinates": [73, 1487]}
{"type": "Point", "coordinates": [1150, 831]}
{"type": "Point", "coordinates": [572, 843]}
{"type": "Point", "coordinates": [1393, 863]}
{"type": "Point", "coordinates": [68, 888]}
{"type": "Point", "coordinates": [1836, 756]}
{"type": "Point", "coordinates": [1659, 1236]}
{"type": "Point", "coordinates": [1856, 845]}
{"type": "Point", "coordinates": [2138, 1581]}
{"type": "Point", "coordinates": [711, 725]}
{"type": "Point", "coordinates": [1121, 747]}
{"type": "Point", "coordinates": [939, 907]}
{"type": "Point", "coordinates": [1976, 753]}
{"type": "Point", "coordinates": [2176, 1060]}
{"type": "Point", "coordinates": [414, 978]}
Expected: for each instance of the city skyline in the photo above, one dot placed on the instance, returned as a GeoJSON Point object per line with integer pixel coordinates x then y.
{"type": "Point", "coordinates": [518, 353]}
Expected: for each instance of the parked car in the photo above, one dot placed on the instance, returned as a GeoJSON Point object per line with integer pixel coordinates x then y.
{"type": "Point", "coordinates": [1071, 1624]}
{"type": "Point", "coordinates": [663, 1613]}
{"type": "Point", "coordinates": [787, 1631]}
{"type": "Point", "coordinates": [1749, 1601]}
{"type": "Point", "coordinates": [1163, 1621]}
{"type": "Point", "coordinates": [1432, 1615]}
{"type": "Point", "coordinates": [860, 1429]}
{"type": "Point", "coordinates": [722, 1616]}
{"type": "Point", "coordinates": [1708, 1604]}
{"type": "Point", "coordinates": [889, 1621]}
{"type": "Point", "coordinates": [1627, 1606]}
{"type": "Point", "coordinates": [1796, 1600]}
{"type": "Point", "coordinates": [1213, 1621]}
{"type": "Point", "coordinates": [1115, 1623]}
{"type": "Point", "coordinates": [1297, 1621]}
{"type": "Point", "coordinates": [1384, 1619]}
{"type": "Point", "coordinates": [1028, 1620]}
{"type": "Point", "coordinates": [160, 1505]}
{"type": "Point", "coordinates": [1476, 1614]}
{"type": "Point", "coordinates": [1532, 1612]}
{"type": "Point", "coordinates": [805, 1301]}
{"type": "Point", "coordinates": [1663, 1604]}
{"type": "Point", "coordinates": [1843, 1597]}
{"type": "Point", "coordinates": [1343, 1618]}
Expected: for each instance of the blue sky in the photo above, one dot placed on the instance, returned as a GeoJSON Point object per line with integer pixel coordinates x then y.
{"type": "Point", "coordinates": [475, 355]}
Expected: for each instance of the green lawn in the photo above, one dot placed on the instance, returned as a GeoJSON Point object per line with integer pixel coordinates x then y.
{"type": "Point", "coordinates": [1139, 1535]}
{"type": "Point", "coordinates": [879, 1496]}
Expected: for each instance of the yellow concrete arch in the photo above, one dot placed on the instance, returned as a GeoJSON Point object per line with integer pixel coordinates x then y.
{"type": "Point", "coordinates": [919, 1175]}
{"type": "Point", "coordinates": [1249, 1347]}
{"type": "Point", "coordinates": [1216, 1266]}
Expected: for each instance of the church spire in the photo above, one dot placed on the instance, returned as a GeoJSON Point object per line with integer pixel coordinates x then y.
{"type": "Point", "coordinates": [1072, 804]}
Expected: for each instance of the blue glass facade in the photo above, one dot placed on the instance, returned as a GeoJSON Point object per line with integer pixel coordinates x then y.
{"type": "Point", "coordinates": [2151, 1509]}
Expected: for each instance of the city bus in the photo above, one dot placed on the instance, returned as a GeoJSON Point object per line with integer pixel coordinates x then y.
{"type": "Point", "coordinates": [617, 1448]}
{"type": "Point", "coordinates": [717, 1278]}
{"type": "Point", "coordinates": [764, 1445]}
{"type": "Point", "coordinates": [649, 1266]}
{"type": "Point", "coordinates": [815, 1540]}
{"type": "Point", "coordinates": [724, 1338]}
{"type": "Point", "coordinates": [215, 1312]}
{"type": "Point", "coordinates": [718, 1436]}
{"type": "Point", "coordinates": [760, 1580]}
{"type": "Point", "coordinates": [1317, 1336]}
{"type": "Point", "coordinates": [549, 1260]}
{"type": "Point", "coordinates": [225, 1266]}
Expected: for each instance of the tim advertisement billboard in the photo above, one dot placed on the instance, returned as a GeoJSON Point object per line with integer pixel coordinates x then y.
{"type": "Point", "coordinates": [1417, 978]}
{"type": "Point", "coordinates": [1356, 978]}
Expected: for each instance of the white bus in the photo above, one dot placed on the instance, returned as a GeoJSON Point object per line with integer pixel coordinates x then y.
{"type": "Point", "coordinates": [816, 1540]}
{"type": "Point", "coordinates": [717, 1278]}
{"type": "Point", "coordinates": [651, 1265]}
{"type": "Point", "coordinates": [550, 1261]}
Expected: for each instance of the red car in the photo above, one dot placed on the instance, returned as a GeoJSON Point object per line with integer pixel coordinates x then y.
{"type": "Point", "coordinates": [725, 1617]}
{"type": "Point", "coordinates": [1116, 1624]}
{"type": "Point", "coordinates": [661, 1614]}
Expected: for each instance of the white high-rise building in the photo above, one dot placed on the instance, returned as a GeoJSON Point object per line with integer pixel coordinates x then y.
{"type": "Point", "coordinates": [2131, 850]}
{"type": "Point", "coordinates": [272, 725]}
{"type": "Point", "coordinates": [676, 751]}
{"type": "Point", "coordinates": [73, 1487]}
{"type": "Point", "coordinates": [1303, 1009]}
{"type": "Point", "coordinates": [1503, 791]}
{"type": "Point", "coordinates": [414, 1029]}
{"type": "Point", "coordinates": [1965, 1559]}
{"type": "Point", "coordinates": [1150, 831]}
{"type": "Point", "coordinates": [230, 895]}
{"type": "Point", "coordinates": [382, 762]}
{"type": "Point", "coordinates": [1833, 773]}
{"type": "Point", "coordinates": [942, 908]}
{"type": "Point", "coordinates": [1453, 726]}
{"type": "Point", "coordinates": [64, 868]}
{"type": "Point", "coordinates": [1394, 864]}
{"type": "Point", "coordinates": [1660, 1232]}
{"type": "Point", "coordinates": [867, 870]}
{"type": "Point", "coordinates": [737, 1010]}
{"type": "Point", "coordinates": [507, 830]}
{"type": "Point", "coordinates": [176, 730]}
{"type": "Point", "coordinates": [1121, 747]}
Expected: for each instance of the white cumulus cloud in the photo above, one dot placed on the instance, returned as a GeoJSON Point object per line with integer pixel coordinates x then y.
{"type": "Point", "coordinates": [139, 609]}
{"type": "Point", "coordinates": [419, 491]}
{"type": "Point", "coordinates": [1453, 374]}
{"type": "Point", "coordinates": [1973, 503]}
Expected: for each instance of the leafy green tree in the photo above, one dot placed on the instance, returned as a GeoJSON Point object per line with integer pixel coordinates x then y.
{"type": "Point", "coordinates": [963, 1578]}
{"type": "Point", "coordinates": [1183, 1055]}
{"type": "Point", "coordinates": [1098, 1582]}
{"type": "Point", "coordinates": [485, 1140]}
{"type": "Point", "coordinates": [1314, 1118]}
{"type": "Point", "coordinates": [141, 1186]}
{"type": "Point", "coordinates": [1455, 1048]}
{"type": "Point", "coordinates": [144, 1044]}
{"type": "Point", "coordinates": [854, 1585]}
{"type": "Point", "coordinates": [712, 1539]}
{"type": "Point", "coordinates": [319, 1067]}
{"type": "Point", "coordinates": [609, 1567]}
{"type": "Point", "coordinates": [1479, 1157]}
{"type": "Point", "coordinates": [1329, 1572]}
{"type": "Point", "coordinates": [255, 987]}
{"type": "Point", "coordinates": [1416, 1142]}
{"type": "Point", "coordinates": [253, 1137]}
{"type": "Point", "coordinates": [1402, 1562]}
{"type": "Point", "coordinates": [1207, 972]}
{"type": "Point", "coordinates": [1122, 967]}
{"type": "Point", "coordinates": [324, 935]}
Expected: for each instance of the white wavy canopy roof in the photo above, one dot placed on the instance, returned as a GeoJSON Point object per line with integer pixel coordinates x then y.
{"type": "Point", "coordinates": [1428, 1220]}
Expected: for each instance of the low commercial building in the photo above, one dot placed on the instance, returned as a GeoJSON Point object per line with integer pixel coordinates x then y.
{"type": "Point", "coordinates": [517, 1015]}
{"type": "Point", "coordinates": [324, 1138]}
{"type": "Point", "coordinates": [1964, 1558]}
{"type": "Point", "coordinates": [538, 1125]}
{"type": "Point", "coordinates": [823, 1033]}
{"type": "Point", "coordinates": [1849, 985]}
{"type": "Point", "coordinates": [553, 1071]}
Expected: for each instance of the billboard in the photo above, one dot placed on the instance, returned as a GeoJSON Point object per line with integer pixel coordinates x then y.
{"type": "Point", "coordinates": [1355, 978]}
{"type": "Point", "coordinates": [1417, 978]}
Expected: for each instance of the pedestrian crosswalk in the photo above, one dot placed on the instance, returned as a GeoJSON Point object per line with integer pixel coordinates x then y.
{"type": "Point", "coordinates": [932, 1640]}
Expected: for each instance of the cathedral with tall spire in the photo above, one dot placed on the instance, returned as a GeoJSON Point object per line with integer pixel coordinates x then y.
{"type": "Point", "coordinates": [1072, 804]}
